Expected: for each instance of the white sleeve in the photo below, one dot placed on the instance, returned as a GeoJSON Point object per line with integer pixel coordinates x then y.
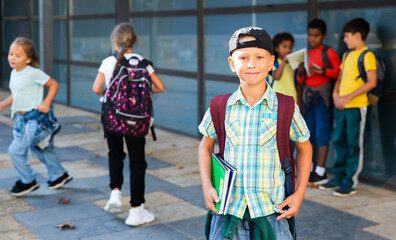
{"type": "Point", "coordinates": [107, 68]}
{"type": "Point", "coordinates": [150, 69]}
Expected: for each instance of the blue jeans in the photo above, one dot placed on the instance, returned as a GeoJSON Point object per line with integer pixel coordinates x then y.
{"type": "Point", "coordinates": [319, 123]}
{"type": "Point", "coordinates": [22, 146]}
{"type": "Point", "coordinates": [281, 228]}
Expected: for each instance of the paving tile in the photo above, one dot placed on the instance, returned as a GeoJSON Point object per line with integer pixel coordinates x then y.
{"type": "Point", "coordinates": [193, 227]}
{"type": "Point", "coordinates": [8, 173]}
{"type": "Point", "coordinates": [179, 156]}
{"type": "Point", "coordinates": [100, 182]}
{"type": "Point", "coordinates": [14, 205]}
{"type": "Point", "coordinates": [188, 193]}
{"type": "Point", "coordinates": [154, 163]}
{"type": "Point", "coordinates": [21, 234]}
{"type": "Point", "coordinates": [77, 119]}
{"type": "Point", "coordinates": [78, 139]}
{"type": "Point", "coordinates": [67, 111]}
{"type": "Point", "coordinates": [76, 197]}
{"type": "Point", "coordinates": [78, 169]}
{"type": "Point", "coordinates": [154, 184]}
{"type": "Point", "coordinates": [8, 223]}
{"type": "Point", "coordinates": [68, 129]}
{"type": "Point", "coordinates": [186, 176]}
{"type": "Point", "coordinates": [58, 215]}
{"type": "Point", "coordinates": [162, 232]}
{"type": "Point", "coordinates": [84, 227]}
{"type": "Point", "coordinates": [379, 213]}
{"type": "Point", "coordinates": [74, 153]}
{"type": "Point", "coordinates": [333, 225]}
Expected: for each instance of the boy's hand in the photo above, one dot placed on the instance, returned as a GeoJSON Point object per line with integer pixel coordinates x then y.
{"type": "Point", "coordinates": [341, 101]}
{"type": "Point", "coordinates": [44, 108]}
{"type": "Point", "coordinates": [294, 204]}
{"type": "Point", "coordinates": [315, 70]}
{"type": "Point", "coordinates": [301, 69]}
{"type": "Point", "coordinates": [210, 196]}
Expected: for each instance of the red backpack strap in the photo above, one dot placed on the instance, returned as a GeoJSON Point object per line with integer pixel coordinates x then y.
{"type": "Point", "coordinates": [218, 106]}
{"type": "Point", "coordinates": [285, 116]}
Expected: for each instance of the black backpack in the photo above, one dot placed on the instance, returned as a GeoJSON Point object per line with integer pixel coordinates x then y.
{"type": "Point", "coordinates": [127, 109]}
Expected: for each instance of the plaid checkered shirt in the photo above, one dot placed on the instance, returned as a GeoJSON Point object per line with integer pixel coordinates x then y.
{"type": "Point", "coordinates": [251, 147]}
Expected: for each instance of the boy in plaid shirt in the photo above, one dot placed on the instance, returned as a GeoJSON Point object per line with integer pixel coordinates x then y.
{"type": "Point", "coordinates": [251, 146]}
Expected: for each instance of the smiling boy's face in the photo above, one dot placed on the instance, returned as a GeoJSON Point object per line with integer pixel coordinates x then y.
{"type": "Point", "coordinates": [251, 64]}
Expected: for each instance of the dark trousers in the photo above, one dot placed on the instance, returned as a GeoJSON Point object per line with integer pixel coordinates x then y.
{"type": "Point", "coordinates": [137, 164]}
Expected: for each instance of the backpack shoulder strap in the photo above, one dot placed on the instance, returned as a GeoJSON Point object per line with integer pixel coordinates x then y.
{"type": "Point", "coordinates": [362, 71]}
{"type": "Point", "coordinates": [325, 57]}
{"type": "Point", "coordinates": [276, 65]}
{"type": "Point", "coordinates": [285, 116]}
{"type": "Point", "coordinates": [218, 106]}
{"type": "Point", "coordinates": [144, 63]}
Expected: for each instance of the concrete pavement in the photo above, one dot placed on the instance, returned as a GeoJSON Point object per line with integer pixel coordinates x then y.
{"type": "Point", "coordinates": [173, 193]}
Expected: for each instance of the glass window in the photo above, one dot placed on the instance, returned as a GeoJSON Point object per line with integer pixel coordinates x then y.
{"type": "Point", "coordinates": [36, 37]}
{"type": "Point", "coordinates": [216, 38]}
{"type": "Point", "coordinates": [60, 39]}
{"type": "Point", "coordinates": [81, 94]}
{"type": "Point", "coordinates": [176, 108]}
{"type": "Point", "coordinates": [293, 22]}
{"type": "Point", "coordinates": [36, 7]}
{"type": "Point", "coordinates": [214, 88]}
{"type": "Point", "coordinates": [235, 3]}
{"type": "Point", "coordinates": [156, 5]}
{"type": "Point", "coordinates": [13, 8]}
{"type": "Point", "coordinates": [169, 42]}
{"type": "Point", "coordinates": [12, 30]}
{"type": "Point", "coordinates": [60, 75]}
{"type": "Point", "coordinates": [6, 71]}
{"type": "Point", "coordinates": [58, 7]}
{"type": "Point", "coordinates": [90, 42]}
{"type": "Point", "coordinates": [82, 7]}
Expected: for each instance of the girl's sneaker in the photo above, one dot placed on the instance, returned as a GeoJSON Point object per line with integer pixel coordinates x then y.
{"type": "Point", "coordinates": [20, 188]}
{"type": "Point", "coordinates": [114, 204]}
{"type": "Point", "coordinates": [138, 216]}
{"type": "Point", "coordinates": [62, 180]}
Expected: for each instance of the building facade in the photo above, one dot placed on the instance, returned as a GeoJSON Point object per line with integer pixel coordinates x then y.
{"type": "Point", "coordinates": [188, 40]}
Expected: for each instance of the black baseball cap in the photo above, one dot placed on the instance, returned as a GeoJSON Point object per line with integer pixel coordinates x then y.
{"type": "Point", "coordinates": [263, 39]}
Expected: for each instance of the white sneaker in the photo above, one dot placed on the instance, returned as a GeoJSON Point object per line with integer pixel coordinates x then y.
{"type": "Point", "coordinates": [138, 216]}
{"type": "Point", "coordinates": [114, 204]}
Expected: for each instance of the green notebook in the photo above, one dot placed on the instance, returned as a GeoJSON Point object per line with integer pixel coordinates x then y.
{"type": "Point", "coordinates": [223, 176]}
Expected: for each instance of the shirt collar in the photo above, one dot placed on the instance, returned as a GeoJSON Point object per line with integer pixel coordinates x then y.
{"type": "Point", "coordinates": [268, 98]}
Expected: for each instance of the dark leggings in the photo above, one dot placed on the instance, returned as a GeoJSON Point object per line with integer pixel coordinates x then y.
{"type": "Point", "coordinates": [137, 164]}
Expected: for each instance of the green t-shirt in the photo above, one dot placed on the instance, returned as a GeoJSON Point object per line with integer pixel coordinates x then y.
{"type": "Point", "coordinates": [27, 88]}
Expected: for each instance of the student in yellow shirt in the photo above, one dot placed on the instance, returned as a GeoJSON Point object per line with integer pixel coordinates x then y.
{"type": "Point", "coordinates": [284, 77]}
{"type": "Point", "coordinates": [350, 100]}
